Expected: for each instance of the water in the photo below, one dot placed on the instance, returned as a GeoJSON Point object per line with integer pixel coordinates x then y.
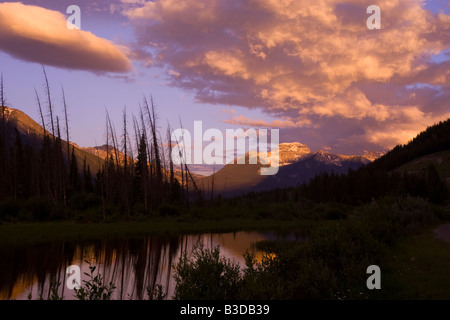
{"type": "Point", "coordinates": [131, 264]}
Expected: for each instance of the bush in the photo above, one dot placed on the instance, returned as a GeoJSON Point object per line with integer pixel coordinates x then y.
{"type": "Point", "coordinates": [205, 275]}
{"type": "Point", "coordinates": [9, 209]}
{"type": "Point", "coordinates": [84, 201]}
{"type": "Point", "coordinates": [391, 217]}
{"type": "Point", "coordinates": [336, 214]}
{"type": "Point", "coordinates": [94, 288]}
{"type": "Point", "coordinates": [39, 209]}
{"type": "Point", "coordinates": [264, 213]}
{"type": "Point", "coordinates": [168, 210]}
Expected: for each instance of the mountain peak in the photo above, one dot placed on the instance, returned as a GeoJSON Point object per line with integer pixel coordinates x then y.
{"type": "Point", "coordinates": [290, 152]}
{"type": "Point", "coordinates": [373, 155]}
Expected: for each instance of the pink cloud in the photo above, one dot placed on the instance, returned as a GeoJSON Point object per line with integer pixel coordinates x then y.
{"type": "Point", "coordinates": [246, 122]}
{"type": "Point", "coordinates": [309, 60]}
{"type": "Point", "coordinates": [40, 35]}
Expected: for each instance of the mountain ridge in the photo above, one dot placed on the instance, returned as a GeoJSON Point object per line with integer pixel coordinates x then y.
{"type": "Point", "coordinates": [297, 164]}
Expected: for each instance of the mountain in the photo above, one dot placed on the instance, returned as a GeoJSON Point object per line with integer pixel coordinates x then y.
{"type": "Point", "coordinates": [291, 152]}
{"type": "Point", "coordinates": [102, 152]}
{"type": "Point", "coordinates": [310, 166]}
{"type": "Point", "coordinates": [32, 133]}
{"type": "Point", "coordinates": [420, 168]}
{"type": "Point", "coordinates": [236, 178]}
{"type": "Point", "coordinates": [434, 139]}
{"type": "Point", "coordinates": [297, 164]}
{"type": "Point", "coordinates": [373, 155]}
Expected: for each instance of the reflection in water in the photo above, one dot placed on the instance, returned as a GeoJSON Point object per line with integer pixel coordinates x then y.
{"type": "Point", "coordinates": [132, 265]}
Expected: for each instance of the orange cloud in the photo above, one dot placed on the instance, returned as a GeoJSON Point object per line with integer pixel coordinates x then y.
{"type": "Point", "coordinates": [40, 35]}
{"type": "Point", "coordinates": [313, 59]}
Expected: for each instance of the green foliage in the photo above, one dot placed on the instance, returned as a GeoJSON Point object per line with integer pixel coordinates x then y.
{"type": "Point", "coordinates": [39, 209]}
{"type": "Point", "coordinates": [393, 217]}
{"type": "Point", "coordinates": [169, 210]}
{"type": "Point", "coordinates": [53, 293]}
{"type": "Point", "coordinates": [156, 293]}
{"type": "Point", "coordinates": [331, 264]}
{"type": "Point", "coordinates": [94, 288]}
{"type": "Point", "coordinates": [9, 209]}
{"type": "Point", "coordinates": [84, 201]}
{"type": "Point", "coordinates": [54, 287]}
{"type": "Point", "coordinates": [206, 275]}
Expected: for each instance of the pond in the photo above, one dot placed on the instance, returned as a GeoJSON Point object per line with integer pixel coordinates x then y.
{"type": "Point", "coordinates": [132, 264]}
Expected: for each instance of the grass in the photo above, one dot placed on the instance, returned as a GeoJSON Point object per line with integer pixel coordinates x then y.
{"type": "Point", "coordinates": [418, 268]}
{"type": "Point", "coordinates": [42, 232]}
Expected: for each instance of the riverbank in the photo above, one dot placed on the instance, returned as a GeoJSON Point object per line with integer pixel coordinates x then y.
{"type": "Point", "coordinates": [23, 233]}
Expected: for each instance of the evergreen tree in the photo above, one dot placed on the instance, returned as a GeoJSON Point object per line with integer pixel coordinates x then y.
{"type": "Point", "coordinates": [140, 184]}
{"type": "Point", "coordinates": [73, 172]}
{"type": "Point", "coordinates": [87, 178]}
{"type": "Point", "coordinates": [436, 188]}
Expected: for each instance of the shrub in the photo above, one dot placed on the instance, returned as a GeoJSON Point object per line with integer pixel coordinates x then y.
{"type": "Point", "coordinates": [84, 201]}
{"type": "Point", "coordinates": [167, 209]}
{"type": "Point", "coordinates": [206, 275]}
{"type": "Point", "coordinates": [9, 209]}
{"type": "Point", "coordinates": [391, 217]}
{"type": "Point", "coordinates": [94, 288]}
{"type": "Point", "coordinates": [39, 209]}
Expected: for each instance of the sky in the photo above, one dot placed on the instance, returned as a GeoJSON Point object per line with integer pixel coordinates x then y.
{"type": "Point", "coordinates": [310, 68]}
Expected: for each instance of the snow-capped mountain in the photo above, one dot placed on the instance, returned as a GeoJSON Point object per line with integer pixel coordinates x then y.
{"type": "Point", "coordinates": [288, 153]}
{"type": "Point", "coordinates": [297, 164]}
{"type": "Point", "coordinates": [291, 152]}
{"type": "Point", "coordinates": [308, 167]}
{"type": "Point", "coordinates": [373, 155]}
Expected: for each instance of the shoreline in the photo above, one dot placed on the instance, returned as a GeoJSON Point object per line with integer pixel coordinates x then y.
{"type": "Point", "coordinates": [29, 233]}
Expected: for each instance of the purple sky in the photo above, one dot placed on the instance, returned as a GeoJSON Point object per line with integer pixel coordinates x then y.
{"type": "Point", "coordinates": [310, 68]}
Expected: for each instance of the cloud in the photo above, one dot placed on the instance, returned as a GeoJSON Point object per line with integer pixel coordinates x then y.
{"type": "Point", "coordinates": [35, 34]}
{"type": "Point", "coordinates": [246, 122]}
{"type": "Point", "coordinates": [313, 60]}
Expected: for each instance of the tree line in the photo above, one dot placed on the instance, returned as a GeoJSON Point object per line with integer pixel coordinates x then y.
{"type": "Point", "coordinates": [137, 175]}
{"type": "Point", "coordinates": [382, 177]}
{"type": "Point", "coordinates": [375, 180]}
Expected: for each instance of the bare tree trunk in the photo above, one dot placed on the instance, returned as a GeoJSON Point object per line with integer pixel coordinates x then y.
{"type": "Point", "coordinates": [106, 167]}
{"type": "Point", "coordinates": [67, 139]}
{"type": "Point", "coordinates": [47, 87]}
{"type": "Point", "coordinates": [171, 174]}
{"type": "Point", "coordinates": [157, 159]}
{"type": "Point", "coordinates": [2, 97]}
{"type": "Point", "coordinates": [67, 124]}
{"type": "Point", "coordinates": [125, 163]}
{"type": "Point", "coordinates": [40, 111]}
{"type": "Point", "coordinates": [59, 164]}
{"type": "Point", "coordinates": [3, 151]}
{"type": "Point", "coordinates": [114, 141]}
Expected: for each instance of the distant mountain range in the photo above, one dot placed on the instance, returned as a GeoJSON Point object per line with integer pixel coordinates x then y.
{"type": "Point", "coordinates": [297, 164]}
